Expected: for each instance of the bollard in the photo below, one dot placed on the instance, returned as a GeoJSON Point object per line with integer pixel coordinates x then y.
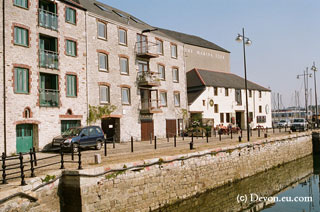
{"type": "Point", "coordinates": [279, 129]}
{"type": "Point", "coordinates": [207, 135]}
{"type": "Point", "coordinates": [219, 136]}
{"type": "Point", "coordinates": [273, 129]}
{"type": "Point", "coordinates": [131, 144]}
{"type": "Point", "coordinates": [105, 147]}
{"type": "Point", "coordinates": [285, 128]}
{"type": "Point", "coordinates": [266, 129]}
{"type": "Point", "coordinates": [114, 141]}
{"type": "Point", "coordinates": [183, 136]}
{"type": "Point", "coordinates": [62, 162]}
{"type": "Point", "coordinates": [175, 140]}
{"type": "Point", "coordinates": [231, 133]}
{"type": "Point", "coordinates": [250, 131]}
{"type": "Point", "coordinates": [23, 182]}
{"type": "Point", "coordinates": [79, 161]}
{"type": "Point", "coordinates": [215, 133]}
{"type": "Point", "coordinates": [191, 145]}
{"type": "Point", "coordinates": [155, 142]}
{"type": "Point", "coordinates": [4, 181]}
{"type": "Point", "coordinates": [168, 138]}
{"type": "Point", "coordinates": [150, 138]}
{"type": "Point", "coordinates": [265, 135]}
{"type": "Point", "coordinates": [239, 138]}
{"type": "Point", "coordinates": [192, 137]}
{"type": "Point", "coordinates": [241, 132]}
{"type": "Point", "coordinates": [31, 164]}
{"type": "Point", "coordinates": [259, 132]}
{"type": "Point", "coordinates": [34, 157]}
{"type": "Point", "coordinates": [72, 151]}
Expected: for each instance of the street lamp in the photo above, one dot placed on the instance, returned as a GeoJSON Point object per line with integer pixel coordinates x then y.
{"type": "Point", "coordinates": [305, 76]}
{"type": "Point", "coordinates": [314, 69]}
{"type": "Point", "coordinates": [245, 41]}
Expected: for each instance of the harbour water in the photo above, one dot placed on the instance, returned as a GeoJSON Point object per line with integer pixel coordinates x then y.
{"type": "Point", "coordinates": [290, 187]}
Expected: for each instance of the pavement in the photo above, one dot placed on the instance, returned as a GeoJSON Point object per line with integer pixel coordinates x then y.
{"type": "Point", "coordinates": [142, 150]}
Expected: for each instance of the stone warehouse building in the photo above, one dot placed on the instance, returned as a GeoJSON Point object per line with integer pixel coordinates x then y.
{"type": "Point", "coordinates": [59, 57]}
{"type": "Point", "coordinates": [216, 95]}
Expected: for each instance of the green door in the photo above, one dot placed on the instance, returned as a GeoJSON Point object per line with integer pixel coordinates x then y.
{"type": "Point", "coordinates": [24, 137]}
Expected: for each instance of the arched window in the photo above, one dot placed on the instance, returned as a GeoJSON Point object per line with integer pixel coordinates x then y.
{"type": "Point", "coordinates": [27, 113]}
{"type": "Point", "coordinates": [69, 112]}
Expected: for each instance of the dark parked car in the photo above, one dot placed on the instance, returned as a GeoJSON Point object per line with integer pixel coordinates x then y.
{"type": "Point", "coordinates": [91, 136]}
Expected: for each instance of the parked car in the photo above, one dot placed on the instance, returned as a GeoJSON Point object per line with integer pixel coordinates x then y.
{"type": "Point", "coordinates": [299, 124]}
{"type": "Point", "coordinates": [284, 123]}
{"type": "Point", "coordinates": [91, 136]}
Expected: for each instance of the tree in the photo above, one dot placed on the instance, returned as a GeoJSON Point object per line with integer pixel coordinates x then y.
{"type": "Point", "coordinates": [98, 112]}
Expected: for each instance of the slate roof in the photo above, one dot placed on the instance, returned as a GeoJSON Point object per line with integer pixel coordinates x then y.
{"type": "Point", "coordinates": [198, 79]}
{"type": "Point", "coordinates": [220, 79]}
{"type": "Point", "coordinates": [192, 40]}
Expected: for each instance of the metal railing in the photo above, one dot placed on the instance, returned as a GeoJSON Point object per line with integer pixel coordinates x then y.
{"type": "Point", "coordinates": [151, 105]}
{"type": "Point", "coordinates": [49, 98]}
{"type": "Point", "coordinates": [49, 59]}
{"type": "Point", "coordinates": [148, 78]}
{"type": "Point", "coordinates": [146, 47]}
{"type": "Point", "coordinates": [48, 19]}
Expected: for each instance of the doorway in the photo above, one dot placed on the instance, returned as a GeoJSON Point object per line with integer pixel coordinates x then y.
{"type": "Point", "coordinates": [111, 127]}
{"type": "Point", "coordinates": [147, 129]}
{"type": "Point", "coordinates": [171, 128]}
{"type": "Point", "coordinates": [24, 137]}
{"type": "Point", "coordinates": [240, 119]}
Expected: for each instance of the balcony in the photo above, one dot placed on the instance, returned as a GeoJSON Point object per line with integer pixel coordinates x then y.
{"type": "Point", "coordinates": [49, 59]}
{"type": "Point", "coordinates": [149, 101]}
{"type": "Point", "coordinates": [48, 19]}
{"type": "Point", "coordinates": [49, 98]}
{"type": "Point", "coordinates": [147, 50]}
{"type": "Point", "coordinates": [148, 79]}
{"type": "Point", "coordinates": [151, 106]}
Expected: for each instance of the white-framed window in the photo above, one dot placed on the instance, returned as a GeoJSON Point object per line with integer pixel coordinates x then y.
{"type": "Point", "coordinates": [161, 71]}
{"type": "Point", "coordinates": [176, 99]}
{"type": "Point", "coordinates": [103, 62]}
{"type": "Point", "coordinates": [125, 96]}
{"type": "Point", "coordinates": [175, 74]}
{"type": "Point", "coordinates": [174, 51]}
{"type": "Point", "coordinates": [163, 99]}
{"type": "Point", "coordinates": [102, 30]}
{"type": "Point", "coordinates": [124, 65]}
{"type": "Point", "coordinates": [104, 94]}
{"type": "Point", "coordinates": [122, 37]}
{"type": "Point", "coordinates": [159, 44]}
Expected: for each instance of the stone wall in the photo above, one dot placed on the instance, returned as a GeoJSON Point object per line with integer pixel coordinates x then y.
{"type": "Point", "coordinates": [168, 182]}
{"type": "Point", "coordinates": [150, 184]}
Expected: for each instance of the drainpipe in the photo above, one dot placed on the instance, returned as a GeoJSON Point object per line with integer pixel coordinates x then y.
{"type": "Point", "coordinates": [87, 91]}
{"type": "Point", "coordinates": [4, 80]}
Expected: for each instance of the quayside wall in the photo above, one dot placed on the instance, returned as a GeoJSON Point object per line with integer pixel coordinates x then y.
{"type": "Point", "coordinates": [149, 184]}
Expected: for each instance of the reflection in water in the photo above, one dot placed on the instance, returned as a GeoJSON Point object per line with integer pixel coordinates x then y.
{"type": "Point", "coordinates": [299, 178]}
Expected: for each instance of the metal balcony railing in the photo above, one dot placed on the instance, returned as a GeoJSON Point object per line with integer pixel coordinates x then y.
{"type": "Point", "coordinates": [147, 78]}
{"type": "Point", "coordinates": [49, 98]}
{"type": "Point", "coordinates": [146, 49]}
{"type": "Point", "coordinates": [49, 59]}
{"type": "Point", "coordinates": [150, 106]}
{"type": "Point", "coordinates": [48, 19]}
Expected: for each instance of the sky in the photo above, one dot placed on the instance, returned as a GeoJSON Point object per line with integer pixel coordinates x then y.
{"type": "Point", "coordinates": [284, 33]}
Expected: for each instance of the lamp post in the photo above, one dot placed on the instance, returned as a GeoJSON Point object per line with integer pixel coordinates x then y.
{"type": "Point", "coordinates": [305, 76]}
{"type": "Point", "coordinates": [245, 41]}
{"type": "Point", "coordinates": [314, 69]}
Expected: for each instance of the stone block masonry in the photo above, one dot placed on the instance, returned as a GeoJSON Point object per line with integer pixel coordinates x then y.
{"type": "Point", "coordinates": [149, 184]}
{"type": "Point", "coordinates": [165, 183]}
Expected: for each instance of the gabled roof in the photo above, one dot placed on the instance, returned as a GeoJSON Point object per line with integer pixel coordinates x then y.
{"type": "Point", "coordinates": [199, 77]}
{"type": "Point", "coordinates": [192, 40]}
{"type": "Point", "coordinates": [194, 94]}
